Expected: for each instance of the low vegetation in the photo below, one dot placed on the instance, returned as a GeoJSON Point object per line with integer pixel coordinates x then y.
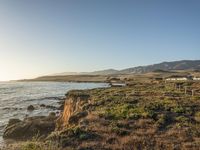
{"type": "Point", "coordinates": [145, 115]}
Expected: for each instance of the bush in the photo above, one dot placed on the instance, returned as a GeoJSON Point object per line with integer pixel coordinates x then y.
{"type": "Point", "coordinates": [157, 106]}
{"type": "Point", "coordinates": [31, 146]}
{"type": "Point", "coordinates": [124, 111]}
{"type": "Point", "coordinates": [182, 120]}
{"type": "Point", "coordinates": [120, 132]}
{"type": "Point", "coordinates": [78, 134]}
{"type": "Point", "coordinates": [178, 109]}
{"type": "Point", "coordinates": [37, 145]}
{"type": "Point", "coordinates": [197, 116]}
{"type": "Point", "coordinates": [163, 120]}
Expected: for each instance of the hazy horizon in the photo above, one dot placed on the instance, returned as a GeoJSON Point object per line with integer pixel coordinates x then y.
{"type": "Point", "coordinates": [46, 37]}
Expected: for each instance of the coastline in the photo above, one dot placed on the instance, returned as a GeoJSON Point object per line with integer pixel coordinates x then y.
{"type": "Point", "coordinates": [141, 114]}
{"type": "Point", "coordinates": [89, 85]}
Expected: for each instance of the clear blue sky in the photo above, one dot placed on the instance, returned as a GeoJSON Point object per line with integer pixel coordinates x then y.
{"type": "Point", "coordinates": [40, 37]}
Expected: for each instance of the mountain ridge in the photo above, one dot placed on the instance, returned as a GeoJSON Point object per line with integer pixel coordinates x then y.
{"type": "Point", "coordinates": [163, 66]}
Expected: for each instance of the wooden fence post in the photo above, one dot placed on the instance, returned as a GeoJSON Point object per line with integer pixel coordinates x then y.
{"type": "Point", "coordinates": [192, 93]}
{"type": "Point", "coordinates": [185, 90]}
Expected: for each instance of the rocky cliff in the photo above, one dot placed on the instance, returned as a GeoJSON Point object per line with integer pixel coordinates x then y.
{"type": "Point", "coordinates": [74, 110]}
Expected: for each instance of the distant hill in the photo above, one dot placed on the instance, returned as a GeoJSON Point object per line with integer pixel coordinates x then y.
{"type": "Point", "coordinates": [105, 72]}
{"type": "Point", "coordinates": [101, 72]}
{"type": "Point", "coordinates": [64, 74]}
{"type": "Point", "coordinates": [164, 67]}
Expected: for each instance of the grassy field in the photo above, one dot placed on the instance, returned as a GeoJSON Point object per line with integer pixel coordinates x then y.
{"type": "Point", "coordinates": [145, 116]}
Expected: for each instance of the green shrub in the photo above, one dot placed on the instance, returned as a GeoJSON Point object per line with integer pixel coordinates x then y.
{"type": "Point", "coordinates": [182, 119]}
{"type": "Point", "coordinates": [78, 133]}
{"type": "Point", "coordinates": [120, 132]}
{"type": "Point", "coordinates": [150, 114]}
{"type": "Point", "coordinates": [37, 145]}
{"type": "Point", "coordinates": [84, 136]}
{"type": "Point", "coordinates": [134, 115]}
{"type": "Point", "coordinates": [124, 111]}
{"type": "Point", "coordinates": [163, 120]}
{"type": "Point", "coordinates": [157, 106]}
{"type": "Point", "coordinates": [197, 116]}
{"type": "Point", "coordinates": [178, 109]}
{"type": "Point", "coordinates": [31, 146]}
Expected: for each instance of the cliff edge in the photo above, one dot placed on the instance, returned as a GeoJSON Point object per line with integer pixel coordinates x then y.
{"type": "Point", "coordinates": [74, 110]}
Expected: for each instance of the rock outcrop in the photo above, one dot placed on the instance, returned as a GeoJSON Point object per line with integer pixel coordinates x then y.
{"type": "Point", "coordinates": [30, 108]}
{"type": "Point", "coordinates": [73, 108]}
{"type": "Point", "coordinates": [30, 127]}
{"type": "Point", "coordinates": [41, 126]}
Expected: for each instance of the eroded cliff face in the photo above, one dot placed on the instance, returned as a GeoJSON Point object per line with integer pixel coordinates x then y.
{"type": "Point", "coordinates": [73, 108]}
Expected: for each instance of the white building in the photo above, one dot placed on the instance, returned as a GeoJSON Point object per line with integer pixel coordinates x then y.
{"type": "Point", "coordinates": [177, 79]}
{"type": "Point", "coordinates": [196, 78]}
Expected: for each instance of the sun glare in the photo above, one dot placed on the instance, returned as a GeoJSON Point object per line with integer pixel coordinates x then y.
{"type": "Point", "coordinates": [4, 78]}
{"type": "Point", "coordinates": [8, 77]}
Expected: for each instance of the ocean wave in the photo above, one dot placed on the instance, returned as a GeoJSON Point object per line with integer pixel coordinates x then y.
{"type": "Point", "coordinates": [46, 98]}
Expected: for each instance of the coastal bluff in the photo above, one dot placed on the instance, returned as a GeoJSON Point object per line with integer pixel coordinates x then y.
{"type": "Point", "coordinates": [74, 108]}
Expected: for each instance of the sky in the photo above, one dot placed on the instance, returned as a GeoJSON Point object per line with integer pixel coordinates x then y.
{"type": "Point", "coordinates": [51, 36]}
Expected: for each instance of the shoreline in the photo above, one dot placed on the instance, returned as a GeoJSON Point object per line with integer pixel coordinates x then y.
{"type": "Point", "coordinates": [61, 100]}
{"type": "Point", "coordinates": [60, 104]}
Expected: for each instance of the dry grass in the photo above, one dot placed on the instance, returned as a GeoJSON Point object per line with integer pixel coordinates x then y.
{"type": "Point", "coordinates": [33, 145]}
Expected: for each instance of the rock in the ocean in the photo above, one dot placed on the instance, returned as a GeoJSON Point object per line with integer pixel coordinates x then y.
{"type": "Point", "coordinates": [30, 127]}
{"type": "Point", "coordinates": [30, 108]}
{"type": "Point", "coordinates": [52, 114]}
{"type": "Point", "coordinates": [42, 105]}
{"type": "Point", "coordinates": [51, 107]}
